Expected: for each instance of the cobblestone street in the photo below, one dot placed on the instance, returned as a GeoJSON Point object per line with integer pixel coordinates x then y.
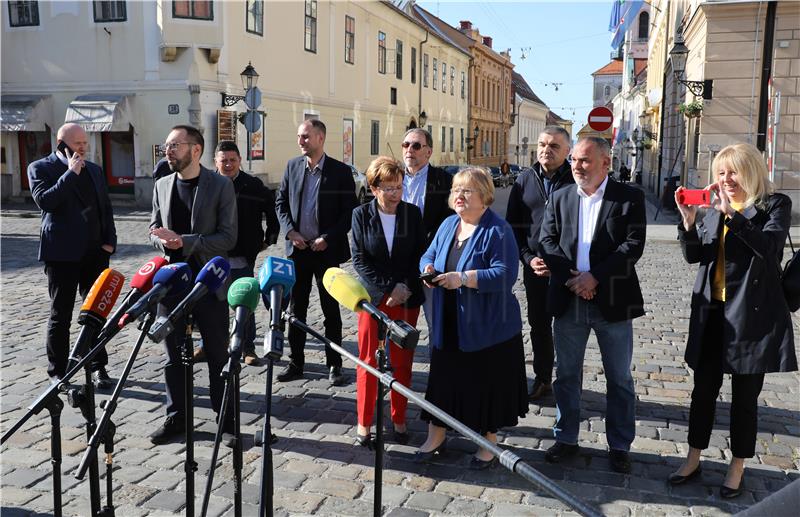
{"type": "Point", "coordinates": [318, 467]}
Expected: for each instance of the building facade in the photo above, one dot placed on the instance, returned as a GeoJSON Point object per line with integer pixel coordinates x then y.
{"type": "Point", "coordinates": [530, 117]}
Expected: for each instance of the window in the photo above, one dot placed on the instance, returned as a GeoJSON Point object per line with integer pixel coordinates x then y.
{"type": "Point", "coordinates": [393, 96]}
{"type": "Point", "coordinates": [452, 80]}
{"type": "Point", "coordinates": [606, 91]}
{"type": "Point", "coordinates": [462, 139]}
{"type": "Point", "coordinates": [444, 77]}
{"type": "Point", "coordinates": [23, 14]}
{"type": "Point", "coordinates": [644, 25]}
{"type": "Point", "coordinates": [310, 41]}
{"type": "Point", "coordinates": [413, 65]}
{"type": "Point", "coordinates": [255, 17]}
{"type": "Point", "coordinates": [374, 138]}
{"type": "Point", "coordinates": [110, 11]}
{"type": "Point", "coordinates": [425, 70]}
{"type": "Point", "coordinates": [435, 73]}
{"type": "Point", "coordinates": [381, 53]}
{"type": "Point", "coordinates": [193, 9]}
{"type": "Point", "coordinates": [398, 62]}
{"type": "Point", "coordinates": [452, 132]}
{"type": "Point", "coordinates": [349, 40]}
{"type": "Point", "coordinates": [430, 130]}
{"type": "Point", "coordinates": [444, 142]}
{"type": "Point", "coordinates": [463, 86]}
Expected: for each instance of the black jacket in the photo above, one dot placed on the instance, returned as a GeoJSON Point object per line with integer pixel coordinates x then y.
{"type": "Point", "coordinates": [526, 204]}
{"type": "Point", "coordinates": [617, 244]}
{"type": "Point", "coordinates": [437, 191]}
{"type": "Point", "coordinates": [371, 259]}
{"type": "Point", "coordinates": [253, 202]}
{"type": "Point", "coordinates": [335, 203]}
{"type": "Point", "coordinates": [757, 337]}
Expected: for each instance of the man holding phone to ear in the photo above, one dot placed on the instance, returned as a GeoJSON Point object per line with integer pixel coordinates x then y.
{"type": "Point", "coordinates": [77, 239]}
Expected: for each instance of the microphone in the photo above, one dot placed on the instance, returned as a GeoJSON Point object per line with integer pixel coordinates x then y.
{"type": "Point", "coordinates": [243, 296]}
{"type": "Point", "coordinates": [276, 279]}
{"type": "Point", "coordinates": [141, 283]}
{"type": "Point", "coordinates": [94, 311]}
{"type": "Point", "coordinates": [172, 277]}
{"type": "Point", "coordinates": [349, 292]}
{"type": "Point", "coordinates": [209, 279]}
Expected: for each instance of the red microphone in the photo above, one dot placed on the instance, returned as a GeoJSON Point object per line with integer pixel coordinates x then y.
{"type": "Point", "coordinates": [95, 310]}
{"type": "Point", "coordinates": [141, 283]}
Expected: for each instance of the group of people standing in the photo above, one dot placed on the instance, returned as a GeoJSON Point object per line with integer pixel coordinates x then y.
{"type": "Point", "coordinates": [430, 241]}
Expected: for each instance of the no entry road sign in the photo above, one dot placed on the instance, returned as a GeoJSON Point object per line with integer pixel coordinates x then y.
{"type": "Point", "coordinates": [600, 118]}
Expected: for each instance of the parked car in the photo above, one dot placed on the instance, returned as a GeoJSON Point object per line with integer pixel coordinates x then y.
{"type": "Point", "coordinates": [499, 179]}
{"type": "Point", "coordinates": [451, 169]}
{"type": "Point", "coordinates": [363, 193]}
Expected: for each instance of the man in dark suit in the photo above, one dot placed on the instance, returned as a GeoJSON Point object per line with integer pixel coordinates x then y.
{"type": "Point", "coordinates": [529, 196]}
{"type": "Point", "coordinates": [193, 220]}
{"type": "Point", "coordinates": [77, 238]}
{"type": "Point", "coordinates": [254, 201]}
{"type": "Point", "coordinates": [593, 234]}
{"type": "Point", "coordinates": [428, 188]}
{"type": "Point", "coordinates": [314, 204]}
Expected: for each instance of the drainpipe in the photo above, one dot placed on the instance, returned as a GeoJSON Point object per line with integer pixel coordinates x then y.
{"type": "Point", "coordinates": [663, 103]}
{"type": "Point", "coordinates": [420, 78]}
{"type": "Point", "coordinates": [766, 73]}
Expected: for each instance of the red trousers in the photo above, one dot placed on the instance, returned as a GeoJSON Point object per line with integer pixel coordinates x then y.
{"type": "Point", "coordinates": [400, 360]}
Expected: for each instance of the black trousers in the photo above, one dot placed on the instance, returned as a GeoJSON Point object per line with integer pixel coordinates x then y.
{"type": "Point", "coordinates": [707, 382]}
{"type": "Point", "coordinates": [210, 315]}
{"type": "Point", "coordinates": [310, 265]}
{"type": "Point", "coordinates": [541, 323]}
{"type": "Point", "coordinates": [64, 279]}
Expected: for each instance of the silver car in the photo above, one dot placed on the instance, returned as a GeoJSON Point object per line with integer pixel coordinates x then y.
{"type": "Point", "coordinates": [363, 193]}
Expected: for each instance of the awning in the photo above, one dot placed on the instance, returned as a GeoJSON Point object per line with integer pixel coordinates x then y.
{"type": "Point", "coordinates": [100, 112]}
{"type": "Point", "coordinates": [23, 112]}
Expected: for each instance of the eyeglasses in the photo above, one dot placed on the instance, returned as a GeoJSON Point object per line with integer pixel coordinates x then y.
{"type": "Point", "coordinates": [390, 190]}
{"type": "Point", "coordinates": [173, 146]}
{"type": "Point", "coordinates": [414, 145]}
{"type": "Point", "coordinates": [459, 191]}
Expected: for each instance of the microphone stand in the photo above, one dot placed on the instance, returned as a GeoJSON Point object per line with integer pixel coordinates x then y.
{"type": "Point", "coordinates": [189, 465]}
{"type": "Point", "coordinates": [381, 357]}
{"type": "Point", "coordinates": [230, 373]}
{"type": "Point", "coordinates": [265, 507]}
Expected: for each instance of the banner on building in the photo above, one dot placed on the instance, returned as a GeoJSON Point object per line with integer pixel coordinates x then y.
{"type": "Point", "coordinates": [347, 141]}
{"type": "Point", "coordinates": [256, 144]}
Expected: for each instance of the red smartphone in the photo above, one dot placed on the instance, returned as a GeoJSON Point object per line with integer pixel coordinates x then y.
{"type": "Point", "coordinates": [694, 197]}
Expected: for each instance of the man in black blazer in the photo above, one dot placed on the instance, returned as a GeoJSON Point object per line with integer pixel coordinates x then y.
{"type": "Point", "coordinates": [428, 188]}
{"type": "Point", "coordinates": [529, 196]}
{"type": "Point", "coordinates": [78, 237]}
{"type": "Point", "coordinates": [314, 204]}
{"type": "Point", "coordinates": [593, 234]}
{"type": "Point", "coordinates": [254, 201]}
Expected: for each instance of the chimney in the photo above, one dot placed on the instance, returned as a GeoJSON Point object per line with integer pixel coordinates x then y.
{"type": "Point", "coordinates": [466, 25]}
{"type": "Point", "coordinates": [487, 40]}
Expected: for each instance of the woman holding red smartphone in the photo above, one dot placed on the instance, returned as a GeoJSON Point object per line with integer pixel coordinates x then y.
{"type": "Point", "coordinates": [738, 325]}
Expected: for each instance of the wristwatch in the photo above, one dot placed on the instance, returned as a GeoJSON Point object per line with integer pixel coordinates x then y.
{"type": "Point", "coordinates": [464, 278]}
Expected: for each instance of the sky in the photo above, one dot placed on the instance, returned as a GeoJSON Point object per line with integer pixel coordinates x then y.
{"type": "Point", "coordinates": [564, 42]}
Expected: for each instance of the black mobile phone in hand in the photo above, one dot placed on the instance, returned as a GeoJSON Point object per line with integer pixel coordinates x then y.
{"type": "Point", "coordinates": [62, 146]}
{"type": "Point", "coordinates": [428, 277]}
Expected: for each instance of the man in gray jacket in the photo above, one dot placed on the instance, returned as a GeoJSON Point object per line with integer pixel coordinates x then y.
{"type": "Point", "coordinates": [194, 219]}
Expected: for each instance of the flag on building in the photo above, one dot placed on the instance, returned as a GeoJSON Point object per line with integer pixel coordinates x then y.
{"type": "Point", "coordinates": [623, 12]}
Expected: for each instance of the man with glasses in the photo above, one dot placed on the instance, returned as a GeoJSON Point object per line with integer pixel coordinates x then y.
{"type": "Point", "coordinates": [428, 188]}
{"type": "Point", "coordinates": [529, 196]}
{"type": "Point", "coordinates": [194, 219]}
{"type": "Point", "coordinates": [315, 204]}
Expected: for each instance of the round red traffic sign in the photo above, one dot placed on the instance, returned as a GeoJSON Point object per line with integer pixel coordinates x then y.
{"type": "Point", "coordinates": [600, 118]}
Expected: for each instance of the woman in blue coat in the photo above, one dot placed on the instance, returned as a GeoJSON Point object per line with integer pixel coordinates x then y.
{"type": "Point", "coordinates": [740, 323]}
{"type": "Point", "coordinates": [477, 371]}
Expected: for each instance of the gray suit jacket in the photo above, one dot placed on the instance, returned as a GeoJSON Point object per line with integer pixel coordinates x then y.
{"type": "Point", "coordinates": [214, 217]}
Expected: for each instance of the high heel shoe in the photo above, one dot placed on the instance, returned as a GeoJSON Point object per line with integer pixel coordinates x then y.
{"type": "Point", "coordinates": [400, 437]}
{"type": "Point", "coordinates": [424, 457]}
{"type": "Point", "coordinates": [365, 440]}
{"type": "Point", "coordinates": [479, 464]}
{"type": "Point", "coordinates": [729, 493]}
{"type": "Point", "coordinates": [677, 479]}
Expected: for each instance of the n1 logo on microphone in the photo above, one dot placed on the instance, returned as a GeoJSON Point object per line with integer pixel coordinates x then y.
{"type": "Point", "coordinates": [216, 270]}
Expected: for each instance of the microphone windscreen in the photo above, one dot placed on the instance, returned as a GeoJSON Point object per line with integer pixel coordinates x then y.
{"type": "Point", "coordinates": [104, 293]}
{"type": "Point", "coordinates": [345, 288]}
{"type": "Point", "coordinates": [143, 279]}
{"type": "Point", "coordinates": [244, 292]}
{"type": "Point", "coordinates": [177, 277]}
{"type": "Point", "coordinates": [276, 271]}
{"type": "Point", "coordinates": [214, 273]}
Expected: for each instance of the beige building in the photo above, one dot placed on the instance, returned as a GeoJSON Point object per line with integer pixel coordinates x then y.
{"type": "Point", "coordinates": [128, 71]}
{"type": "Point", "coordinates": [530, 117]}
{"type": "Point", "coordinates": [730, 44]}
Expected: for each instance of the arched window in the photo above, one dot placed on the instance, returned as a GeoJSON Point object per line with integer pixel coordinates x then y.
{"type": "Point", "coordinates": [644, 25]}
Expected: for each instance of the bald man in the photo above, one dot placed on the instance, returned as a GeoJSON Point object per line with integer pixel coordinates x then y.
{"type": "Point", "coordinates": [77, 238]}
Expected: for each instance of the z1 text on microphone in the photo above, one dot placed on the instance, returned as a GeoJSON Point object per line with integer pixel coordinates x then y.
{"type": "Point", "coordinates": [349, 292]}
{"type": "Point", "coordinates": [276, 279]}
{"type": "Point", "coordinates": [172, 278]}
{"type": "Point", "coordinates": [209, 279]}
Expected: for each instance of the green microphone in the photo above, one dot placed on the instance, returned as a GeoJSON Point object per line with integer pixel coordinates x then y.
{"type": "Point", "coordinates": [243, 297]}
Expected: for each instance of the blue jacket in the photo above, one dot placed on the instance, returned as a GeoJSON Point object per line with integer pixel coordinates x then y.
{"type": "Point", "coordinates": [489, 314]}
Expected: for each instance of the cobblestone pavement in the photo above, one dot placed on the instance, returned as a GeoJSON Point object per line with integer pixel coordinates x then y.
{"type": "Point", "coordinates": [318, 469]}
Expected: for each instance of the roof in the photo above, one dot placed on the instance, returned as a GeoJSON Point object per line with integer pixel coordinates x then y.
{"type": "Point", "coordinates": [638, 66]}
{"type": "Point", "coordinates": [523, 89]}
{"type": "Point", "coordinates": [553, 118]}
{"type": "Point", "coordinates": [612, 68]}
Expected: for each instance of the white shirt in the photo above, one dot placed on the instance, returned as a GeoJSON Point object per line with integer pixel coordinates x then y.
{"type": "Point", "coordinates": [587, 222]}
{"type": "Point", "coordinates": [414, 187]}
{"type": "Point", "coordinates": [388, 221]}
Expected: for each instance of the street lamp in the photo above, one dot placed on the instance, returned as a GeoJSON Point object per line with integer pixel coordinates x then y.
{"type": "Point", "coordinates": [249, 80]}
{"type": "Point", "coordinates": [423, 118]}
{"type": "Point", "coordinates": [471, 142]}
{"type": "Point", "coordinates": [679, 54]}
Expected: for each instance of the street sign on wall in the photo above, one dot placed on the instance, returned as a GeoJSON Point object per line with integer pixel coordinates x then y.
{"type": "Point", "coordinates": [600, 118]}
